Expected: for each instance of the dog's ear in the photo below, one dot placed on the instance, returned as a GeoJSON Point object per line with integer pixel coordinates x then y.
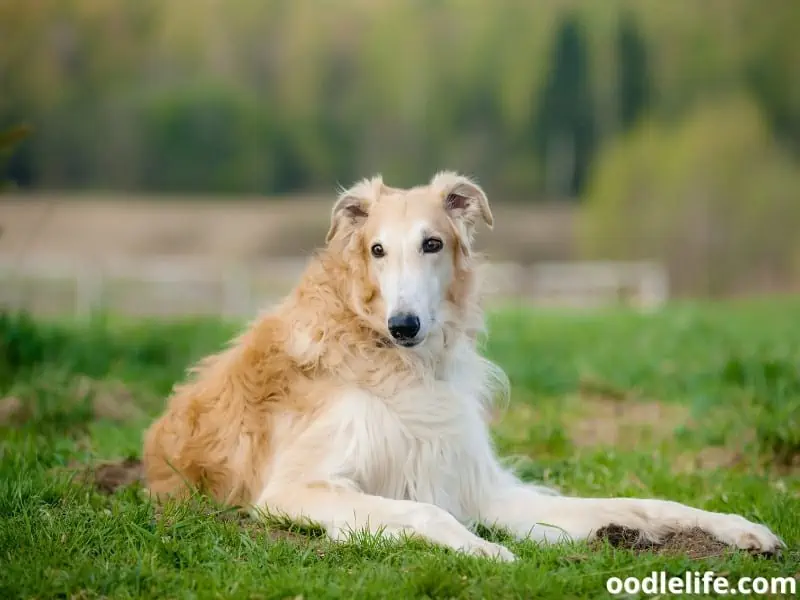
{"type": "Point", "coordinates": [464, 200]}
{"type": "Point", "coordinates": [353, 205]}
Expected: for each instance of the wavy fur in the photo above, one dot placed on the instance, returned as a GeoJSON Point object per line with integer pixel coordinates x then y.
{"type": "Point", "coordinates": [313, 412]}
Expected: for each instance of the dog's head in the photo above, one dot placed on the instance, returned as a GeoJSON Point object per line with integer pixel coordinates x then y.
{"type": "Point", "coordinates": [411, 250]}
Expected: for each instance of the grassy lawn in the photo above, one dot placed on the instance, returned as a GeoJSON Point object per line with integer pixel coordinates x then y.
{"type": "Point", "coordinates": [698, 403]}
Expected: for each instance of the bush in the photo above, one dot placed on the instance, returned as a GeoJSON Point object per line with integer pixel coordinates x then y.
{"type": "Point", "coordinates": [713, 197]}
{"type": "Point", "coordinates": [209, 138]}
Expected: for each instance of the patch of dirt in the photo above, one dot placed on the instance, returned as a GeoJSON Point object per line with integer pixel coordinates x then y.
{"type": "Point", "coordinates": [622, 537]}
{"type": "Point", "coordinates": [10, 410]}
{"type": "Point", "coordinates": [591, 387]}
{"type": "Point", "coordinates": [708, 459]}
{"type": "Point", "coordinates": [609, 421]}
{"type": "Point", "coordinates": [109, 476]}
{"type": "Point", "coordinates": [791, 467]}
{"type": "Point", "coordinates": [694, 543]}
{"type": "Point", "coordinates": [110, 399]}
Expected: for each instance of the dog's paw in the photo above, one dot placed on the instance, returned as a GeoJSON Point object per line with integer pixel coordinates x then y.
{"type": "Point", "coordinates": [481, 547]}
{"type": "Point", "coordinates": [737, 531]}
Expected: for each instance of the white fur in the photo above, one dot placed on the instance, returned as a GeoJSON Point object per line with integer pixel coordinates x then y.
{"type": "Point", "coordinates": [421, 462]}
{"type": "Point", "coordinates": [316, 414]}
{"type": "Point", "coordinates": [411, 281]}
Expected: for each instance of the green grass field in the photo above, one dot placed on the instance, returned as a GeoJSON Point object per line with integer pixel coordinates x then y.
{"type": "Point", "coordinates": [698, 403]}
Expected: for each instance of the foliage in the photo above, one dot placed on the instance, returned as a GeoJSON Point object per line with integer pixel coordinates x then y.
{"type": "Point", "coordinates": [712, 195]}
{"type": "Point", "coordinates": [9, 140]}
{"type": "Point", "coordinates": [309, 97]}
{"type": "Point", "coordinates": [634, 79]}
{"type": "Point", "coordinates": [771, 68]}
{"type": "Point", "coordinates": [565, 128]}
{"type": "Point", "coordinates": [214, 126]}
{"type": "Point", "coordinates": [718, 365]}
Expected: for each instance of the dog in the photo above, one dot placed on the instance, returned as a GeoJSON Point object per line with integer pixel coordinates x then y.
{"type": "Point", "coordinates": [361, 402]}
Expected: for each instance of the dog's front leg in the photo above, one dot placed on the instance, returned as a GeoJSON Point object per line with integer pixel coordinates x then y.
{"type": "Point", "coordinates": [343, 511]}
{"type": "Point", "coordinates": [525, 511]}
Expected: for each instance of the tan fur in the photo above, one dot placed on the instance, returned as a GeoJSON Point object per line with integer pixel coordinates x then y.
{"type": "Point", "coordinates": [217, 432]}
{"type": "Point", "coordinates": [323, 410]}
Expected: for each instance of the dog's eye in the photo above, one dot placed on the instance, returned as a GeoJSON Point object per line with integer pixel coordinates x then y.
{"type": "Point", "coordinates": [431, 245]}
{"type": "Point", "coordinates": [377, 250]}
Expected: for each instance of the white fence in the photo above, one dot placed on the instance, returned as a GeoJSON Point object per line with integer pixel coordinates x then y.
{"type": "Point", "coordinates": [57, 286]}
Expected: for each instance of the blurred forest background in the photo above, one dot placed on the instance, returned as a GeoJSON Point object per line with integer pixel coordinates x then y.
{"type": "Point", "coordinates": [611, 130]}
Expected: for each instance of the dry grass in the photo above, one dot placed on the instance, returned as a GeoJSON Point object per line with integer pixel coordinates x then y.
{"type": "Point", "coordinates": [692, 543]}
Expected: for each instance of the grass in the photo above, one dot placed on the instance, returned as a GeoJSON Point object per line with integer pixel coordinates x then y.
{"type": "Point", "coordinates": [698, 403]}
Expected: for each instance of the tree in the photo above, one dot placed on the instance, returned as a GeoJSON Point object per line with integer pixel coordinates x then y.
{"type": "Point", "coordinates": [711, 196]}
{"type": "Point", "coordinates": [565, 122]}
{"type": "Point", "coordinates": [634, 82]}
{"type": "Point", "coordinates": [9, 141]}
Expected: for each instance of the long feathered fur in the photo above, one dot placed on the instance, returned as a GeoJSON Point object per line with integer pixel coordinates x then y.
{"type": "Point", "coordinates": [312, 412]}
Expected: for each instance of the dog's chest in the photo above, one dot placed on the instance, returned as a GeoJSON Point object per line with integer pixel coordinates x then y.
{"type": "Point", "coordinates": [425, 444]}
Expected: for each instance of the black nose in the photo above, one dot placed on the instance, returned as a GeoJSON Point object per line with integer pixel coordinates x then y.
{"type": "Point", "coordinates": [404, 326]}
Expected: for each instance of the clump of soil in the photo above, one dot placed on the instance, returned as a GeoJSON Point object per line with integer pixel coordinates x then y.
{"type": "Point", "coordinates": [10, 409]}
{"type": "Point", "coordinates": [694, 543]}
{"type": "Point", "coordinates": [108, 477]}
{"type": "Point", "coordinates": [110, 399]}
{"type": "Point", "coordinates": [608, 420]}
{"type": "Point", "coordinates": [623, 537]}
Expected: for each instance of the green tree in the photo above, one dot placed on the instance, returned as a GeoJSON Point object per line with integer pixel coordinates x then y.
{"type": "Point", "coordinates": [565, 122]}
{"type": "Point", "coordinates": [303, 98]}
{"type": "Point", "coordinates": [206, 138]}
{"type": "Point", "coordinates": [634, 83]}
{"type": "Point", "coordinates": [771, 67]}
{"type": "Point", "coordinates": [14, 157]}
{"type": "Point", "coordinates": [712, 196]}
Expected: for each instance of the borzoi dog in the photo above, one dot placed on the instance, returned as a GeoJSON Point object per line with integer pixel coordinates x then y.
{"type": "Point", "coordinates": [361, 401]}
